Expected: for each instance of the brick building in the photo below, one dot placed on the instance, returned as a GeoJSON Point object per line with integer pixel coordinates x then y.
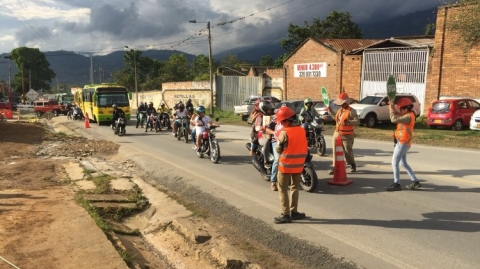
{"type": "Point", "coordinates": [320, 63]}
{"type": "Point", "coordinates": [453, 72]}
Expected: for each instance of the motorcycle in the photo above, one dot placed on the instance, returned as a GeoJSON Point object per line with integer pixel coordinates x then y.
{"type": "Point", "coordinates": [309, 177]}
{"type": "Point", "coordinates": [155, 120]}
{"type": "Point", "coordinates": [163, 122]}
{"type": "Point", "coordinates": [119, 128]}
{"type": "Point", "coordinates": [183, 129]}
{"type": "Point", "coordinates": [209, 144]}
{"type": "Point", "coordinates": [315, 137]}
{"type": "Point", "coordinates": [142, 118]}
{"type": "Point", "coordinates": [77, 114]}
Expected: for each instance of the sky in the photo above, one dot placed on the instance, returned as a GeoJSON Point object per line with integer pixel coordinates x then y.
{"type": "Point", "coordinates": [100, 27]}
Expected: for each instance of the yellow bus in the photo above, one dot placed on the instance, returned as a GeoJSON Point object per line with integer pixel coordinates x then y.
{"type": "Point", "coordinates": [97, 101]}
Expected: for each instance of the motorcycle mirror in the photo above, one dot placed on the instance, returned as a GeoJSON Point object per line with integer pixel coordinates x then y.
{"type": "Point", "coordinates": [217, 119]}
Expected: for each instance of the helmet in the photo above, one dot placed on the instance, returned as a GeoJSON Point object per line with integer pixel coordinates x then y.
{"type": "Point", "coordinates": [257, 103]}
{"type": "Point", "coordinates": [284, 113]}
{"type": "Point", "coordinates": [181, 106]}
{"type": "Point", "coordinates": [201, 109]}
{"type": "Point", "coordinates": [403, 102]}
{"type": "Point", "coordinates": [180, 102]}
{"type": "Point", "coordinates": [306, 101]}
{"type": "Point", "coordinates": [266, 107]}
{"type": "Point", "coordinates": [114, 105]}
{"type": "Point", "coordinates": [162, 104]}
{"type": "Point", "coordinates": [150, 104]}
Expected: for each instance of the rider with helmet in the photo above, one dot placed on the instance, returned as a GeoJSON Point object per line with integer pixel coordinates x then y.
{"type": "Point", "coordinates": [308, 114]}
{"type": "Point", "coordinates": [189, 106]}
{"type": "Point", "coordinates": [261, 107]}
{"type": "Point", "coordinates": [267, 108]}
{"type": "Point", "coordinates": [150, 110]}
{"type": "Point", "coordinates": [140, 110]}
{"type": "Point", "coordinates": [201, 122]}
{"type": "Point", "coordinates": [116, 114]}
{"type": "Point", "coordinates": [181, 112]}
{"type": "Point", "coordinates": [163, 110]}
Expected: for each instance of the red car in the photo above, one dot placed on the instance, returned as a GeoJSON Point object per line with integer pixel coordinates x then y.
{"type": "Point", "coordinates": [453, 113]}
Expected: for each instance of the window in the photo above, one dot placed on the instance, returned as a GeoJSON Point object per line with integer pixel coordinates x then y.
{"type": "Point", "coordinates": [370, 100]}
{"type": "Point", "coordinates": [474, 105]}
{"type": "Point", "coordinates": [462, 104]}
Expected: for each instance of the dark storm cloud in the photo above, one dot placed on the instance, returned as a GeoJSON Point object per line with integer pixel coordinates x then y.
{"type": "Point", "coordinates": [32, 36]}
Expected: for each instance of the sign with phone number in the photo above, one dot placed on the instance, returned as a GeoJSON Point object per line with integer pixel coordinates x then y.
{"type": "Point", "coordinates": [310, 70]}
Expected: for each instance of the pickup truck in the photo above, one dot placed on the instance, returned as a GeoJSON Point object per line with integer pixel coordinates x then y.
{"type": "Point", "coordinates": [246, 108]}
{"type": "Point", "coordinates": [27, 107]}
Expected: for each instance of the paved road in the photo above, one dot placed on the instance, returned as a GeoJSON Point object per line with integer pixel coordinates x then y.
{"type": "Point", "coordinates": [435, 227]}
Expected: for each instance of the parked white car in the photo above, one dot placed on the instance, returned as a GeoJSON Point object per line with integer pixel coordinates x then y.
{"type": "Point", "coordinates": [374, 108]}
{"type": "Point", "coordinates": [475, 121]}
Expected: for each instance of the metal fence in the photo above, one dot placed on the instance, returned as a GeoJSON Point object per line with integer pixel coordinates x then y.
{"type": "Point", "coordinates": [233, 90]}
{"type": "Point", "coordinates": [407, 65]}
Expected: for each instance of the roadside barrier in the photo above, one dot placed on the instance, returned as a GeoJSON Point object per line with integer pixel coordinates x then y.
{"type": "Point", "coordinates": [87, 121]}
{"type": "Point", "coordinates": [339, 171]}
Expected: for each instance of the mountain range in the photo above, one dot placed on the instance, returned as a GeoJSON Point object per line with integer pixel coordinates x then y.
{"type": "Point", "coordinates": [73, 69]}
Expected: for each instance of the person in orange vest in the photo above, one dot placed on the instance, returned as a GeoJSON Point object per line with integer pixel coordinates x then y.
{"type": "Point", "coordinates": [405, 120]}
{"type": "Point", "coordinates": [346, 119]}
{"type": "Point", "coordinates": [292, 146]}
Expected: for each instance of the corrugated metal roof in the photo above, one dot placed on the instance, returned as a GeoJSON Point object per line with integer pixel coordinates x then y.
{"type": "Point", "coordinates": [425, 40]}
{"type": "Point", "coordinates": [347, 44]}
{"type": "Point", "coordinates": [227, 71]}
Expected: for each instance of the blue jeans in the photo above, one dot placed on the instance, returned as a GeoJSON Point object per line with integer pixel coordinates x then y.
{"type": "Point", "coordinates": [194, 135]}
{"type": "Point", "coordinates": [400, 157]}
{"type": "Point", "coordinates": [273, 176]}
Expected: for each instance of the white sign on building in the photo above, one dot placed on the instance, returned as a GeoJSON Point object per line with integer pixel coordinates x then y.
{"type": "Point", "coordinates": [310, 70]}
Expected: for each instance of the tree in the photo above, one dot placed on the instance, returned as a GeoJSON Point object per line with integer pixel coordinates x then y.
{"type": "Point", "coordinates": [430, 29]}
{"type": "Point", "coordinates": [176, 68]}
{"type": "Point", "coordinates": [201, 68]}
{"type": "Point", "coordinates": [32, 62]}
{"type": "Point", "coordinates": [336, 25]}
{"type": "Point", "coordinates": [232, 61]}
{"type": "Point", "coordinates": [466, 23]}
{"type": "Point", "coordinates": [279, 61]}
{"type": "Point", "coordinates": [266, 60]}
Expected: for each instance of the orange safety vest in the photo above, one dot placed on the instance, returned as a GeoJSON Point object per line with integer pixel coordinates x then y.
{"type": "Point", "coordinates": [404, 131]}
{"type": "Point", "coordinates": [292, 159]}
{"type": "Point", "coordinates": [343, 129]}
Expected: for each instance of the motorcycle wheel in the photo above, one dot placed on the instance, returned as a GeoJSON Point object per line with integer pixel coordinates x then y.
{"type": "Point", "coordinates": [179, 134]}
{"type": "Point", "coordinates": [215, 152]}
{"type": "Point", "coordinates": [321, 146]}
{"type": "Point", "coordinates": [157, 127]}
{"type": "Point", "coordinates": [185, 135]}
{"type": "Point", "coordinates": [309, 179]}
{"type": "Point", "coordinates": [121, 131]}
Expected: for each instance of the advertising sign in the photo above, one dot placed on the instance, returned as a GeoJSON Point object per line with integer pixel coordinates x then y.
{"type": "Point", "coordinates": [310, 70]}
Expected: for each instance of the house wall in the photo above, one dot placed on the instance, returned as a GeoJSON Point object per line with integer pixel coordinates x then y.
{"type": "Point", "coordinates": [274, 83]}
{"type": "Point", "coordinates": [351, 77]}
{"type": "Point", "coordinates": [302, 87]}
{"type": "Point", "coordinates": [453, 72]}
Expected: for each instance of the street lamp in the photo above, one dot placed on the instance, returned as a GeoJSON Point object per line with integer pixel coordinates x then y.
{"type": "Point", "coordinates": [210, 64]}
{"type": "Point", "coordinates": [135, 72]}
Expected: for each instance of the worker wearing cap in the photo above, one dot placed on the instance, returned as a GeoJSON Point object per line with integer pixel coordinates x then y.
{"type": "Point", "coordinates": [346, 119]}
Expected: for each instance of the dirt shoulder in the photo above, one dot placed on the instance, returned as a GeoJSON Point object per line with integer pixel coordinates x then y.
{"type": "Point", "coordinates": [41, 225]}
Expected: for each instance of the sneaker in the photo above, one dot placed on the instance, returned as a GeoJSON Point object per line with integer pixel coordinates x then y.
{"type": "Point", "coordinates": [273, 186]}
{"type": "Point", "coordinates": [414, 185]}
{"type": "Point", "coordinates": [297, 215]}
{"type": "Point", "coordinates": [395, 187]}
{"type": "Point", "coordinates": [282, 219]}
{"type": "Point", "coordinates": [353, 168]}
{"type": "Point", "coordinates": [330, 172]}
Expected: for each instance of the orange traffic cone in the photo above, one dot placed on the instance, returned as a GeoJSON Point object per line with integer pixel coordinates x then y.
{"type": "Point", "coordinates": [339, 171]}
{"type": "Point", "coordinates": [87, 121]}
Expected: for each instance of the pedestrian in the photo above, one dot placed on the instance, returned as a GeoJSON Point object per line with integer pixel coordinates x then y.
{"type": "Point", "coordinates": [346, 119]}
{"type": "Point", "coordinates": [405, 120]}
{"type": "Point", "coordinates": [293, 149]}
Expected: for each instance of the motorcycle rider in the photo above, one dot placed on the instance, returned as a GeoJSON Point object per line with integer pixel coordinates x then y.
{"type": "Point", "coordinates": [255, 119]}
{"type": "Point", "coordinates": [308, 114]}
{"type": "Point", "coordinates": [266, 107]}
{"type": "Point", "coordinates": [141, 108]}
{"type": "Point", "coordinates": [189, 106]}
{"type": "Point", "coordinates": [150, 110]}
{"type": "Point", "coordinates": [163, 110]}
{"type": "Point", "coordinates": [117, 112]}
{"type": "Point", "coordinates": [179, 113]}
{"type": "Point", "coordinates": [201, 122]}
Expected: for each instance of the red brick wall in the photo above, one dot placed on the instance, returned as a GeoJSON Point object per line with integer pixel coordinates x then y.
{"type": "Point", "coordinates": [275, 73]}
{"type": "Point", "coordinates": [453, 73]}
{"type": "Point", "coordinates": [300, 88]}
{"type": "Point", "coordinates": [352, 74]}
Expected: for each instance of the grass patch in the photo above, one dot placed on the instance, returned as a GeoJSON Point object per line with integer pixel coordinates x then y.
{"type": "Point", "coordinates": [102, 184]}
{"type": "Point", "coordinates": [127, 257]}
{"type": "Point", "coordinates": [89, 172]}
{"type": "Point", "coordinates": [92, 211]}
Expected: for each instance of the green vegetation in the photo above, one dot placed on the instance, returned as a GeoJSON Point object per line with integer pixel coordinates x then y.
{"type": "Point", "coordinates": [466, 23]}
{"type": "Point", "coordinates": [102, 184]}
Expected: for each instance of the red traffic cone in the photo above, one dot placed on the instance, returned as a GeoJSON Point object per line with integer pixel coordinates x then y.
{"type": "Point", "coordinates": [87, 121]}
{"type": "Point", "coordinates": [339, 171]}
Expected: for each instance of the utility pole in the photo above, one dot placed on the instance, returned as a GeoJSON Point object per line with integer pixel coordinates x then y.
{"type": "Point", "coordinates": [91, 69]}
{"type": "Point", "coordinates": [100, 72]}
{"type": "Point", "coordinates": [29, 79]}
{"type": "Point", "coordinates": [211, 69]}
{"type": "Point", "coordinates": [23, 88]}
{"type": "Point", "coordinates": [9, 83]}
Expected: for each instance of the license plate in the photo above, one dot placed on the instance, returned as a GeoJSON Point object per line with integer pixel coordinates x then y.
{"type": "Point", "coordinates": [437, 121]}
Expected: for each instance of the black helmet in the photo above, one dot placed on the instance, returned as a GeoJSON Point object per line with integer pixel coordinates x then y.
{"type": "Point", "coordinates": [266, 107]}
{"type": "Point", "coordinates": [181, 106]}
{"type": "Point", "coordinates": [150, 104]}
